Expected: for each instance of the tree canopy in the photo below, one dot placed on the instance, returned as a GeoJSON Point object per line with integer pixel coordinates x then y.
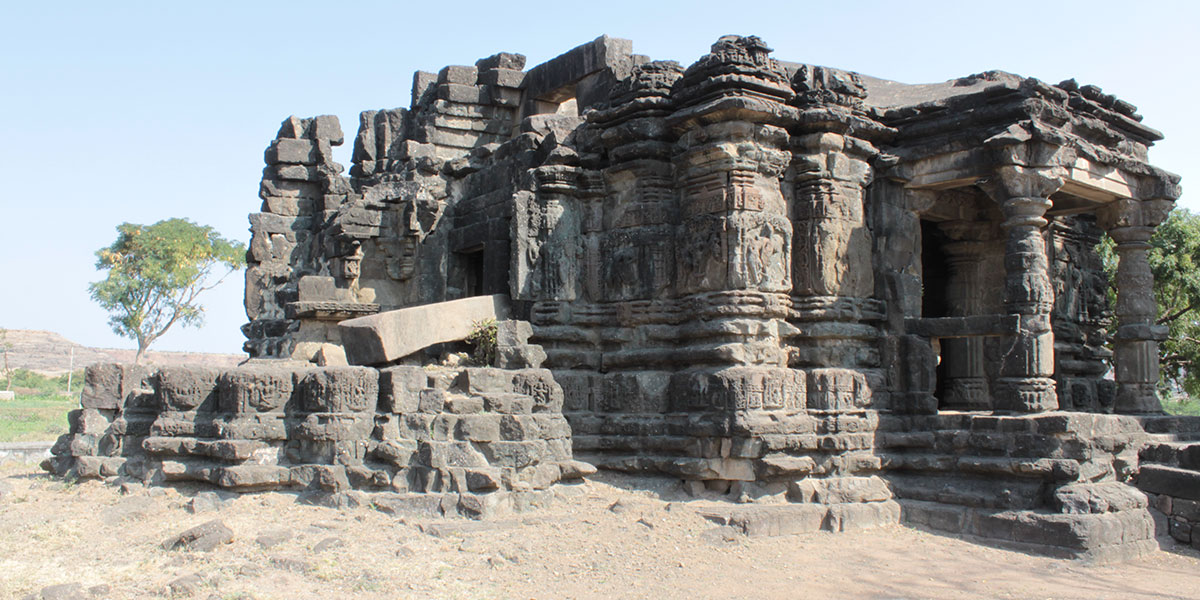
{"type": "Point", "coordinates": [156, 273]}
{"type": "Point", "coordinates": [1175, 262]}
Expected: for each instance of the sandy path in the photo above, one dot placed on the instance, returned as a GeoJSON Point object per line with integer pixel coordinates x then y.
{"type": "Point", "coordinates": [653, 545]}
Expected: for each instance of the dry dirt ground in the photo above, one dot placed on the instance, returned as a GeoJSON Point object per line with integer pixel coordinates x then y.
{"type": "Point", "coordinates": [651, 544]}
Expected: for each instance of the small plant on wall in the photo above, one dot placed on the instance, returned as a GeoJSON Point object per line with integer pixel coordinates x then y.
{"type": "Point", "coordinates": [483, 339]}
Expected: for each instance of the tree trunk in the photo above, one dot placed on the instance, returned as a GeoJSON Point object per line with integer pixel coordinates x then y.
{"type": "Point", "coordinates": [141, 353]}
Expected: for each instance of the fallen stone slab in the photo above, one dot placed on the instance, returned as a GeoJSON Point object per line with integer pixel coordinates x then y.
{"type": "Point", "coordinates": [392, 335]}
{"type": "Point", "coordinates": [25, 452]}
{"type": "Point", "coordinates": [204, 502]}
{"type": "Point", "coordinates": [288, 563]}
{"type": "Point", "coordinates": [415, 505]}
{"type": "Point", "coordinates": [201, 538]}
{"type": "Point", "coordinates": [328, 543]}
{"type": "Point", "coordinates": [444, 529]}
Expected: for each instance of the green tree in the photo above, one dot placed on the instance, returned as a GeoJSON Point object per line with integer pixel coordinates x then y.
{"type": "Point", "coordinates": [156, 273]}
{"type": "Point", "coordinates": [1175, 261]}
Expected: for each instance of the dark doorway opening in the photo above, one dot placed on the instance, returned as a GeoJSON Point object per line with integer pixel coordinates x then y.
{"type": "Point", "coordinates": [935, 272]}
{"type": "Point", "coordinates": [472, 263]}
{"type": "Point", "coordinates": [935, 290]}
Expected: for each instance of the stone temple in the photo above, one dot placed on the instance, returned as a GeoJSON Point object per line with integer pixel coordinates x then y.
{"type": "Point", "coordinates": [819, 299]}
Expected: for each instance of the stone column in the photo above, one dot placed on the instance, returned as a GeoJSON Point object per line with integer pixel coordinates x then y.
{"type": "Point", "coordinates": [557, 273]}
{"type": "Point", "coordinates": [966, 385]}
{"type": "Point", "coordinates": [1135, 347]}
{"type": "Point", "coordinates": [546, 237]}
{"type": "Point", "coordinates": [1025, 383]}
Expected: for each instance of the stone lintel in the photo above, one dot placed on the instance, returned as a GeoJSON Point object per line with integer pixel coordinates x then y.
{"type": "Point", "coordinates": [330, 311]}
{"type": "Point", "coordinates": [964, 327]}
{"type": "Point", "coordinates": [547, 80]}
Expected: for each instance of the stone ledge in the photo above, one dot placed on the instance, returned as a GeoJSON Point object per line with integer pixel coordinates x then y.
{"type": "Point", "coordinates": [767, 520]}
{"type": "Point", "coordinates": [24, 452]}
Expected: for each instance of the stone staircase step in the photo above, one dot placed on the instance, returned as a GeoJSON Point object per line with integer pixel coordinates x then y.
{"type": "Point", "coordinates": [1172, 481]}
{"type": "Point", "coordinates": [1181, 453]}
{"type": "Point", "coordinates": [975, 492]}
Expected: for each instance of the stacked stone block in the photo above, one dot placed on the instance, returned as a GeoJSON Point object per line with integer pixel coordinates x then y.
{"type": "Point", "coordinates": [482, 440]}
{"type": "Point", "coordinates": [302, 188]}
{"type": "Point", "coordinates": [1170, 477]}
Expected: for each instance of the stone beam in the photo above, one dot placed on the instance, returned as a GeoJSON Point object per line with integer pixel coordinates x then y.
{"type": "Point", "coordinates": [1093, 181]}
{"type": "Point", "coordinates": [947, 170]}
{"type": "Point", "coordinates": [964, 327]}
{"type": "Point", "coordinates": [392, 335]}
{"type": "Point", "coordinates": [1098, 182]}
{"type": "Point", "coordinates": [579, 73]}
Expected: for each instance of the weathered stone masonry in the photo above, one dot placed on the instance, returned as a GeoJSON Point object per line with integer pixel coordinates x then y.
{"type": "Point", "coordinates": [473, 441]}
{"type": "Point", "coordinates": [841, 300]}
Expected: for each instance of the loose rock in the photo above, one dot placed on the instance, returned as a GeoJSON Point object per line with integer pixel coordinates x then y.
{"type": "Point", "coordinates": [202, 538]}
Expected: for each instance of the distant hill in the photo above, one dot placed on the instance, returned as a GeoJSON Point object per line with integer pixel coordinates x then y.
{"type": "Point", "coordinates": [50, 353]}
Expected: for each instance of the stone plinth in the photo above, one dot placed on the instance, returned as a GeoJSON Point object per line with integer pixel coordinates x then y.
{"type": "Point", "coordinates": [475, 441]}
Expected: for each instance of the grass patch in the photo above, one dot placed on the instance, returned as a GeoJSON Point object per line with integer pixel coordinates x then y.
{"type": "Point", "coordinates": [39, 412]}
{"type": "Point", "coordinates": [1182, 405]}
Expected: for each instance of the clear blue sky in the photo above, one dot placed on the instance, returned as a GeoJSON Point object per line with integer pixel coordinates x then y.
{"type": "Point", "coordinates": [140, 111]}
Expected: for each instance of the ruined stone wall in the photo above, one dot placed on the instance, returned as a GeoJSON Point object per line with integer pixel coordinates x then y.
{"type": "Point", "coordinates": [475, 441]}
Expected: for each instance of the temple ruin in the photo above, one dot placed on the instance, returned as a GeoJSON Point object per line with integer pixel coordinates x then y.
{"type": "Point", "coordinates": [820, 299]}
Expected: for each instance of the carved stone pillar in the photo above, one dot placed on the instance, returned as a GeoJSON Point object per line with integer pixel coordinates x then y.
{"type": "Point", "coordinates": [546, 228]}
{"type": "Point", "coordinates": [965, 384]}
{"type": "Point", "coordinates": [1135, 347]}
{"type": "Point", "coordinates": [1025, 383]}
